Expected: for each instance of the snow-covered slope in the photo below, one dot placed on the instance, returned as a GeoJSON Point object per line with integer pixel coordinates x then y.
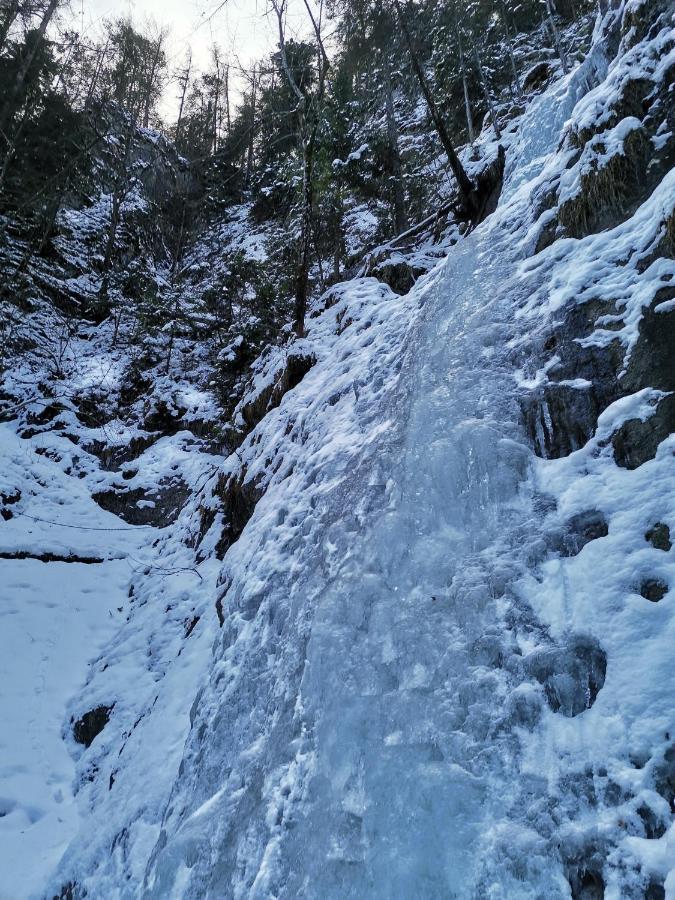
{"type": "Point", "coordinates": [414, 637]}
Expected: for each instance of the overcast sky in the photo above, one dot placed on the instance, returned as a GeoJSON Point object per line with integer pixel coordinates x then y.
{"type": "Point", "coordinates": [240, 28]}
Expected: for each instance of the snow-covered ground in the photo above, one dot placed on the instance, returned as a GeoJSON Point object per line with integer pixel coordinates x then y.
{"type": "Point", "coordinates": [56, 617]}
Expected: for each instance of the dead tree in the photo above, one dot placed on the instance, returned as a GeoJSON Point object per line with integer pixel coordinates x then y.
{"type": "Point", "coordinates": [152, 75]}
{"type": "Point", "coordinates": [509, 48]}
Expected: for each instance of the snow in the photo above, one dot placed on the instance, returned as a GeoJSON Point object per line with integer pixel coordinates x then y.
{"type": "Point", "coordinates": [56, 619]}
{"type": "Point", "coordinates": [611, 266]}
{"type": "Point", "coordinates": [370, 718]}
{"type": "Point", "coordinates": [399, 494]}
{"type": "Point", "coordinates": [53, 624]}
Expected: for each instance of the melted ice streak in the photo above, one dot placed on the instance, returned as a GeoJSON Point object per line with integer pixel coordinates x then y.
{"type": "Point", "coordinates": [356, 738]}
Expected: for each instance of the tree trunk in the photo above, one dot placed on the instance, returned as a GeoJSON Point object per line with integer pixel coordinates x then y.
{"type": "Point", "coordinates": [151, 82]}
{"type": "Point", "coordinates": [466, 186]}
{"type": "Point", "coordinates": [94, 82]}
{"type": "Point", "coordinates": [400, 218]}
{"type": "Point", "coordinates": [11, 145]}
{"type": "Point", "coordinates": [186, 80]}
{"type": "Point", "coordinates": [121, 185]}
{"type": "Point", "coordinates": [465, 86]}
{"type": "Point", "coordinates": [24, 69]}
{"type": "Point", "coordinates": [302, 277]}
{"type": "Point", "coordinates": [227, 98]}
{"type": "Point", "coordinates": [11, 12]}
{"type": "Point", "coordinates": [251, 137]}
{"type": "Point", "coordinates": [556, 37]}
{"type": "Point", "coordinates": [509, 47]}
{"type": "Point", "coordinates": [216, 99]}
{"type": "Point", "coordinates": [486, 93]}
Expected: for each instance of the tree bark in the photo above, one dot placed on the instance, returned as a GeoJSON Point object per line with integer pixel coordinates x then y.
{"type": "Point", "coordinates": [556, 37]}
{"type": "Point", "coordinates": [466, 186]}
{"type": "Point", "coordinates": [400, 218]}
{"type": "Point", "coordinates": [227, 98]}
{"type": "Point", "coordinates": [14, 94]}
{"type": "Point", "coordinates": [509, 47]}
{"type": "Point", "coordinates": [151, 81]}
{"type": "Point", "coordinates": [185, 80]}
{"type": "Point", "coordinates": [465, 86]}
{"type": "Point", "coordinates": [486, 93]}
{"type": "Point", "coordinates": [251, 136]}
{"type": "Point", "coordinates": [302, 277]}
{"type": "Point", "coordinates": [307, 106]}
{"type": "Point", "coordinates": [11, 13]}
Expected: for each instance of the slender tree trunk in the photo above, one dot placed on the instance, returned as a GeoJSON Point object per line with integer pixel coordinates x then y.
{"type": "Point", "coordinates": [119, 192]}
{"type": "Point", "coordinates": [11, 13]}
{"type": "Point", "coordinates": [486, 93]}
{"type": "Point", "coordinates": [251, 136]}
{"type": "Point", "coordinates": [556, 37]}
{"type": "Point", "coordinates": [227, 98]}
{"type": "Point", "coordinates": [151, 82]}
{"type": "Point", "coordinates": [466, 186]}
{"type": "Point", "coordinates": [11, 145]}
{"type": "Point", "coordinates": [172, 275]}
{"type": "Point", "coordinates": [214, 127]}
{"type": "Point", "coordinates": [97, 74]}
{"type": "Point", "coordinates": [36, 247]}
{"type": "Point", "coordinates": [308, 134]}
{"type": "Point", "coordinates": [465, 87]}
{"type": "Point", "coordinates": [400, 218]}
{"type": "Point", "coordinates": [339, 248]}
{"type": "Point", "coordinates": [186, 81]}
{"type": "Point", "coordinates": [302, 277]}
{"type": "Point", "coordinates": [112, 234]}
{"type": "Point", "coordinates": [14, 94]}
{"type": "Point", "coordinates": [509, 48]}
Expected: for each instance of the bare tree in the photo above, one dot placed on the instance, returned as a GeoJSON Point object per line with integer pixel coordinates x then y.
{"type": "Point", "coordinates": [251, 132]}
{"type": "Point", "coordinates": [509, 48]}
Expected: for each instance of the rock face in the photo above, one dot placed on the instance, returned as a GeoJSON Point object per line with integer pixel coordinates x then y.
{"type": "Point", "coordinates": [581, 530]}
{"type": "Point", "coordinates": [91, 724]}
{"type": "Point", "coordinates": [659, 536]}
{"type": "Point", "coordinates": [653, 589]}
{"type": "Point", "coordinates": [536, 77]}
{"type": "Point", "coordinates": [159, 505]}
{"type": "Point", "coordinates": [572, 675]}
{"type": "Point", "coordinates": [286, 373]}
{"type": "Point", "coordinates": [614, 162]}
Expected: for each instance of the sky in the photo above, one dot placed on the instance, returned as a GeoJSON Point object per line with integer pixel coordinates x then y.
{"type": "Point", "coordinates": [241, 29]}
